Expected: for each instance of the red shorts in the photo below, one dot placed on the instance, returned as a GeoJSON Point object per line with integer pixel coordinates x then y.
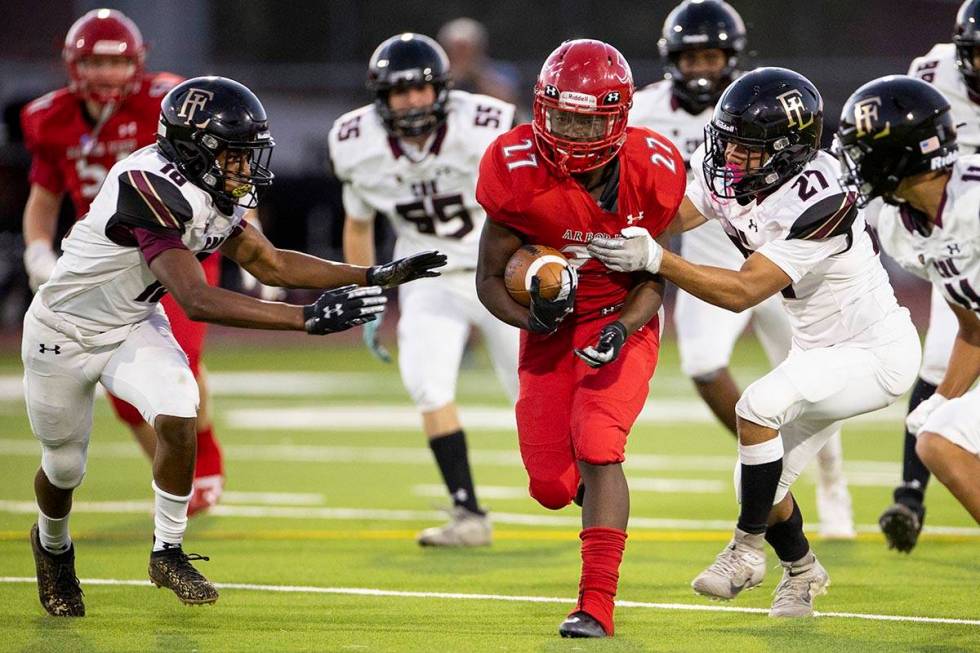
{"type": "Point", "coordinates": [569, 412]}
{"type": "Point", "coordinates": [188, 334]}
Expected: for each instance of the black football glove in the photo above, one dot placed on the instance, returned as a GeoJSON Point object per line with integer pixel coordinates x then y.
{"type": "Point", "coordinates": [406, 269]}
{"type": "Point", "coordinates": [547, 314]}
{"type": "Point", "coordinates": [607, 349]}
{"type": "Point", "coordinates": [342, 308]}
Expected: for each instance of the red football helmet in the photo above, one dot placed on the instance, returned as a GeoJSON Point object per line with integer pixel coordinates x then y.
{"type": "Point", "coordinates": [103, 32]}
{"type": "Point", "coordinates": [581, 102]}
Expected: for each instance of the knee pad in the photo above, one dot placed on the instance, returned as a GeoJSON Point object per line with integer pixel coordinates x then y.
{"type": "Point", "coordinates": [554, 494]}
{"type": "Point", "coordinates": [64, 465]}
{"type": "Point", "coordinates": [768, 401]}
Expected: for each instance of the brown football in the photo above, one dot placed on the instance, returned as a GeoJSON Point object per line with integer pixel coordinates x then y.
{"type": "Point", "coordinates": [534, 260]}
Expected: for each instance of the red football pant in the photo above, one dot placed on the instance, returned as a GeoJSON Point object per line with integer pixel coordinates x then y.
{"type": "Point", "coordinates": [190, 336]}
{"type": "Point", "coordinates": [568, 411]}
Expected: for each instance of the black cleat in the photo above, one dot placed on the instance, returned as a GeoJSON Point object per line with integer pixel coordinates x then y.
{"type": "Point", "coordinates": [57, 584]}
{"type": "Point", "coordinates": [581, 624]}
{"type": "Point", "coordinates": [901, 523]}
{"type": "Point", "coordinates": [172, 568]}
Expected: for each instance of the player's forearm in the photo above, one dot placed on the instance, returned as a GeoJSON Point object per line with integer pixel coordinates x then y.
{"type": "Point", "coordinates": [964, 366]}
{"type": "Point", "coordinates": [41, 216]}
{"type": "Point", "coordinates": [494, 296]}
{"type": "Point", "coordinates": [298, 270]}
{"type": "Point", "coordinates": [642, 303]}
{"type": "Point", "coordinates": [718, 286]}
{"type": "Point", "coordinates": [220, 306]}
{"type": "Point", "coordinates": [359, 242]}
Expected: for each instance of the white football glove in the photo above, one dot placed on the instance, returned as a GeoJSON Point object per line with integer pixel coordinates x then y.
{"type": "Point", "coordinates": [370, 336]}
{"type": "Point", "coordinates": [918, 417]}
{"type": "Point", "coordinates": [636, 250]}
{"type": "Point", "coordinates": [39, 261]}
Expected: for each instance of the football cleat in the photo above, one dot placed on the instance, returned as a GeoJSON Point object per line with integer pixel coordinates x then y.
{"type": "Point", "coordinates": [463, 529]}
{"type": "Point", "coordinates": [740, 566]}
{"type": "Point", "coordinates": [901, 523]}
{"type": "Point", "coordinates": [801, 583]}
{"type": "Point", "coordinates": [206, 493]}
{"type": "Point", "coordinates": [57, 584]}
{"type": "Point", "coordinates": [172, 568]}
{"type": "Point", "coordinates": [581, 624]}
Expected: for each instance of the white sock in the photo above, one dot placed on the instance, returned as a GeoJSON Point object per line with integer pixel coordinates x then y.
{"type": "Point", "coordinates": [53, 533]}
{"type": "Point", "coordinates": [169, 518]}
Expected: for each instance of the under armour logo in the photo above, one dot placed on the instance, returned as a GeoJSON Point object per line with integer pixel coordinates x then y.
{"type": "Point", "coordinates": [753, 226]}
{"type": "Point", "coordinates": [333, 311]}
{"type": "Point", "coordinates": [551, 90]}
{"type": "Point", "coordinates": [612, 97]}
{"type": "Point", "coordinates": [631, 219]}
{"type": "Point", "coordinates": [953, 248]}
{"type": "Point", "coordinates": [197, 98]}
{"type": "Point", "coordinates": [56, 349]}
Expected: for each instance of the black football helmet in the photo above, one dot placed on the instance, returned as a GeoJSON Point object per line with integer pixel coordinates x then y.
{"type": "Point", "coordinates": [205, 116]}
{"type": "Point", "coordinates": [966, 37]}
{"type": "Point", "coordinates": [892, 128]}
{"type": "Point", "coordinates": [774, 112]}
{"type": "Point", "coordinates": [701, 25]}
{"type": "Point", "coordinates": [407, 60]}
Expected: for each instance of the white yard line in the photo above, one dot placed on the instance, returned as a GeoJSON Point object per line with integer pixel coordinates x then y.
{"type": "Point", "coordinates": [661, 485]}
{"type": "Point", "coordinates": [458, 596]}
{"type": "Point", "coordinates": [572, 519]}
{"type": "Point", "coordinates": [877, 472]}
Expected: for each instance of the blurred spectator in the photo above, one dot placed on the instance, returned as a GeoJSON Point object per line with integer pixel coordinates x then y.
{"type": "Point", "coordinates": [465, 41]}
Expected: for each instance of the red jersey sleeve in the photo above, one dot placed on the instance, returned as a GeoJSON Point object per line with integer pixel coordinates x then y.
{"type": "Point", "coordinates": [45, 171]}
{"type": "Point", "coordinates": [667, 177]}
{"type": "Point", "coordinates": [497, 185]}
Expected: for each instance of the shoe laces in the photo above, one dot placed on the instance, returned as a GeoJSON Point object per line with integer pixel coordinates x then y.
{"type": "Point", "coordinates": [66, 582]}
{"type": "Point", "coordinates": [793, 589]}
{"type": "Point", "coordinates": [728, 563]}
{"type": "Point", "coordinates": [182, 562]}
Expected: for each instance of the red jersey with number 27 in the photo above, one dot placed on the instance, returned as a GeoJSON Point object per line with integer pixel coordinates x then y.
{"type": "Point", "coordinates": [68, 158]}
{"type": "Point", "coordinates": [522, 192]}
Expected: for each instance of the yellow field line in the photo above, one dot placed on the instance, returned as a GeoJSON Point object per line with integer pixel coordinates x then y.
{"type": "Point", "coordinates": [405, 534]}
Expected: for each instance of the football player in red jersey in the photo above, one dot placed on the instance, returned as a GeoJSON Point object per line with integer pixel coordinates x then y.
{"type": "Point", "coordinates": [110, 108]}
{"type": "Point", "coordinates": [577, 172]}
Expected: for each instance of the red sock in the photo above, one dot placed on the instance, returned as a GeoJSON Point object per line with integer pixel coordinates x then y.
{"type": "Point", "coordinates": [208, 455]}
{"type": "Point", "coordinates": [602, 552]}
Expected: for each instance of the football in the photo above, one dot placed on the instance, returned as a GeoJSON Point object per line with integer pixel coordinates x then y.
{"type": "Point", "coordinates": [534, 260]}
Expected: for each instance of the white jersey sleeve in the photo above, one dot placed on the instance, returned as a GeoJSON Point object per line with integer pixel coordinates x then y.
{"type": "Point", "coordinates": [428, 194]}
{"type": "Point", "coordinates": [697, 187]}
{"type": "Point", "coordinates": [938, 67]}
{"type": "Point", "coordinates": [103, 280]}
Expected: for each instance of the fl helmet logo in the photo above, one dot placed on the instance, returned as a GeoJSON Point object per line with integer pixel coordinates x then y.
{"type": "Point", "coordinates": [866, 118]}
{"type": "Point", "coordinates": [796, 114]}
{"type": "Point", "coordinates": [196, 99]}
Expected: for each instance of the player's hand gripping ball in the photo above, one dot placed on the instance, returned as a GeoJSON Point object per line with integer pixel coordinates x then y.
{"type": "Point", "coordinates": [545, 263]}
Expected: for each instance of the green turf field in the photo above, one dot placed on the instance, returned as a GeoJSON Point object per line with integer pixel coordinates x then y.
{"type": "Point", "coordinates": [329, 480]}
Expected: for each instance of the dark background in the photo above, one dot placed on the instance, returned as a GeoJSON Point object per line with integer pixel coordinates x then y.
{"type": "Point", "coordinates": [307, 61]}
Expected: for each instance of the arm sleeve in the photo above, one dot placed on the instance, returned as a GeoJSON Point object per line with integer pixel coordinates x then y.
{"type": "Point", "coordinates": [355, 206]}
{"type": "Point", "coordinates": [154, 243]}
{"type": "Point", "coordinates": [152, 202]}
{"type": "Point", "coordinates": [797, 257]}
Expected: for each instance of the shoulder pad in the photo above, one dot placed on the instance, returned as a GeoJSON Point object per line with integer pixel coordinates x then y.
{"type": "Point", "coordinates": [146, 199]}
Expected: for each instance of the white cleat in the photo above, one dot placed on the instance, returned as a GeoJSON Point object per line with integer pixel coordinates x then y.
{"type": "Point", "coordinates": [740, 566]}
{"type": "Point", "coordinates": [464, 529]}
{"type": "Point", "coordinates": [834, 509]}
{"type": "Point", "coordinates": [801, 583]}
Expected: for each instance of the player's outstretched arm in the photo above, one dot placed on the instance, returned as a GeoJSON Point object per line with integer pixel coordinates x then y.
{"type": "Point", "coordinates": [336, 310]}
{"type": "Point", "coordinates": [40, 225]}
{"type": "Point", "coordinates": [290, 269]}
{"type": "Point", "coordinates": [735, 290]}
{"type": "Point", "coordinates": [497, 244]}
{"type": "Point", "coordinates": [687, 217]}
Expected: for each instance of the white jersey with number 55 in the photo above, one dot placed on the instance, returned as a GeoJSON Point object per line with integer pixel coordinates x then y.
{"type": "Point", "coordinates": [429, 194]}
